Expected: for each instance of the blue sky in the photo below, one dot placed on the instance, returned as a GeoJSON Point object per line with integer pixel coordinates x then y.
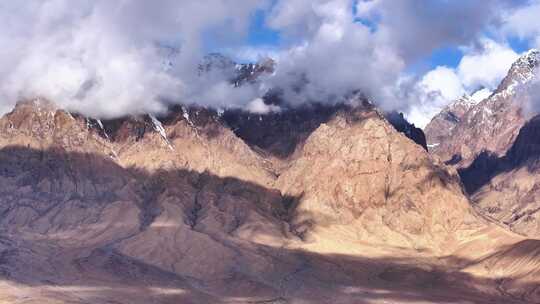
{"type": "Point", "coordinates": [449, 48]}
{"type": "Point", "coordinates": [409, 50]}
{"type": "Point", "coordinates": [261, 36]}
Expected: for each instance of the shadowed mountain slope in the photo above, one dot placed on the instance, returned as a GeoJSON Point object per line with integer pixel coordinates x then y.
{"type": "Point", "coordinates": [494, 145]}
{"type": "Point", "coordinates": [188, 212]}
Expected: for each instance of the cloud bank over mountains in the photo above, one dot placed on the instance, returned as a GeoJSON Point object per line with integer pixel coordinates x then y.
{"type": "Point", "coordinates": [106, 58]}
{"type": "Point", "coordinates": [112, 58]}
{"type": "Point", "coordinates": [478, 74]}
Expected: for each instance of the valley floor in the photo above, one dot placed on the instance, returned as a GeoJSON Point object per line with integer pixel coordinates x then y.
{"type": "Point", "coordinates": [45, 271]}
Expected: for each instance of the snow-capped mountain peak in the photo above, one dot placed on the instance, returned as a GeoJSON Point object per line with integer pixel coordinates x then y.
{"type": "Point", "coordinates": [523, 70]}
{"type": "Point", "coordinates": [480, 95]}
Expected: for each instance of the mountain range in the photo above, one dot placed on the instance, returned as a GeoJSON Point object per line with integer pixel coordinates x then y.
{"type": "Point", "coordinates": [321, 203]}
{"type": "Point", "coordinates": [493, 145]}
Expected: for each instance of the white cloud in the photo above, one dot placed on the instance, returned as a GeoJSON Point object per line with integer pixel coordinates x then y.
{"type": "Point", "coordinates": [487, 66]}
{"type": "Point", "coordinates": [432, 93]}
{"type": "Point", "coordinates": [524, 22]}
{"type": "Point", "coordinates": [366, 8]}
{"type": "Point", "coordinates": [481, 95]}
{"type": "Point", "coordinates": [479, 73]}
{"type": "Point", "coordinates": [253, 53]}
{"type": "Point", "coordinates": [445, 81]}
{"type": "Point", "coordinates": [332, 55]}
{"type": "Point", "coordinates": [416, 28]}
{"type": "Point", "coordinates": [257, 106]}
{"type": "Point", "coordinates": [105, 58]}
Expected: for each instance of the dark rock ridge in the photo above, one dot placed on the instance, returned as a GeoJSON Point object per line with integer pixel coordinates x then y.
{"type": "Point", "coordinates": [507, 188]}
{"type": "Point", "coordinates": [280, 132]}
{"type": "Point", "coordinates": [277, 133]}
{"type": "Point", "coordinates": [179, 209]}
{"type": "Point", "coordinates": [410, 130]}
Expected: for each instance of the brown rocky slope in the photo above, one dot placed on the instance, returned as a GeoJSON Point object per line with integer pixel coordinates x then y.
{"type": "Point", "coordinates": [490, 125]}
{"type": "Point", "coordinates": [494, 147]}
{"type": "Point", "coordinates": [507, 188]}
{"type": "Point", "coordinates": [440, 127]}
{"type": "Point", "coordinates": [178, 209]}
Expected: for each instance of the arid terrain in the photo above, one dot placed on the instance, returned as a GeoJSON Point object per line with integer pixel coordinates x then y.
{"type": "Point", "coordinates": [180, 209]}
{"type": "Point", "coordinates": [494, 146]}
{"type": "Point", "coordinates": [270, 152]}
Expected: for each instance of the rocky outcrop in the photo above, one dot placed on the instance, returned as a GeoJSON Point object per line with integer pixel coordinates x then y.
{"type": "Point", "coordinates": [507, 188]}
{"type": "Point", "coordinates": [237, 73]}
{"type": "Point", "coordinates": [492, 124]}
{"type": "Point", "coordinates": [179, 209]}
{"type": "Point", "coordinates": [355, 171]}
{"type": "Point", "coordinates": [493, 145]}
{"type": "Point", "coordinates": [281, 133]}
{"type": "Point", "coordinates": [398, 121]}
{"type": "Point", "coordinates": [441, 126]}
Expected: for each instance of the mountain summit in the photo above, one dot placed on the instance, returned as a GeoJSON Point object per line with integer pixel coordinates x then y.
{"type": "Point", "coordinates": [493, 145]}
{"type": "Point", "coordinates": [306, 205]}
{"type": "Point", "coordinates": [463, 130]}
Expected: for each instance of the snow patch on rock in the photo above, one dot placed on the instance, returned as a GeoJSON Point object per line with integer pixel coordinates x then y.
{"type": "Point", "coordinates": [158, 126]}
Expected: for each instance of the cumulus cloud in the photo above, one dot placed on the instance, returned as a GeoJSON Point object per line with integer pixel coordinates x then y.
{"type": "Point", "coordinates": [111, 58]}
{"type": "Point", "coordinates": [523, 22]}
{"type": "Point", "coordinates": [341, 50]}
{"type": "Point", "coordinates": [416, 28]}
{"type": "Point", "coordinates": [444, 80]}
{"type": "Point", "coordinates": [258, 106]}
{"type": "Point", "coordinates": [108, 58]}
{"type": "Point", "coordinates": [432, 93]}
{"type": "Point", "coordinates": [333, 56]}
{"type": "Point", "coordinates": [479, 72]}
{"type": "Point", "coordinates": [486, 66]}
{"type": "Point", "coordinates": [252, 54]}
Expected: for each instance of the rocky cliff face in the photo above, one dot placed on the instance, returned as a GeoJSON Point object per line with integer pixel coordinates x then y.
{"type": "Point", "coordinates": [441, 126]}
{"type": "Point", "coordinates": [490, 125]}
{"type": "Point", "coordinates": [357, 172]}
{"type": "Point", "coordinates": [494, 147]}
{"type": "Point", "coordinates": [193, 207]}
{"type": "Point", "coordinates": [507, 188]}
{"type": "Point", "coordinates": [237, 73]}
{"type": "Point", "coordinates": [398, 121]}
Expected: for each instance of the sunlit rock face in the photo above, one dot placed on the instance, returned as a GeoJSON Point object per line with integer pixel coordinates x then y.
{"type": "Point", "coordinates": [493, 145]}
{"type": "Point", "coordinates": [330, 205]}
{"type": "Point", "coordinates": [466, 128]}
